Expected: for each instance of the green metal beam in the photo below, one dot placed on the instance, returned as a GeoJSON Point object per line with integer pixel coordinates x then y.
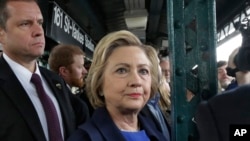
{"type": "Point", "coordinates": [192, 41]}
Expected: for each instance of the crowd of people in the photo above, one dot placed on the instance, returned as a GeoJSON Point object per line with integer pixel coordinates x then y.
{"type": "Point", "coordinates": [37, 103]}
{"type": "Point", "coordinates": [122, 95]}
{"type": "Point", "coordinates": [218, 117]}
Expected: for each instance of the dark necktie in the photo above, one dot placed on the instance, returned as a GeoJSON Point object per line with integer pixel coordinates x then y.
{"type": "Point", "coordinates": [53, 124]}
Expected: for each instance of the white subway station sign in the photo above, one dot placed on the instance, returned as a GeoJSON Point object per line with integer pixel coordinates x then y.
{"type": "Point", "coordinates": [64, 29]}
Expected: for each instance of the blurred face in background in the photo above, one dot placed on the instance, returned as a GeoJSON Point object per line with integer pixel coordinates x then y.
{"type": "Point", "coordinates": [165, 68]}
{"type": "Point", "coordinates": [223, 78]}
{"type": "Point", "coordinates": [127, 79]}
{"type": "Point", "coordinates": [76, 72]}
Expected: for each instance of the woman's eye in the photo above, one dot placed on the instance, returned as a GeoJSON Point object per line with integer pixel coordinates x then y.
{"type": "Point", "coordinates": [121, 70]}
{"type": "Point", "coordinates": [144, 71]}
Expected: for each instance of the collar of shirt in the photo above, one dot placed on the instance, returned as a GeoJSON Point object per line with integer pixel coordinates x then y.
{"type": "Point", "coordinates": [22, 73]}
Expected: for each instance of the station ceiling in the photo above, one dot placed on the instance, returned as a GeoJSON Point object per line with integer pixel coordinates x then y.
{"type": "Point", "coordinates": [99, 17]}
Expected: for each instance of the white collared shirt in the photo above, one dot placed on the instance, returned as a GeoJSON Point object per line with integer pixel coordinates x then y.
{"type": "Point", "coordinates": [24, 77]}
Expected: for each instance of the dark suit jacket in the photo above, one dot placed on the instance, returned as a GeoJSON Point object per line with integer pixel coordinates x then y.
{"type": "Point", "coordinates": [215, 116]}
{"type": "Point", "coordinates": [83, 96]}
{"type": "Point", "coordinates": [146, 112]}
{"type": "Point", "coordinates": [19, 120]}
{"type": "Point", "coordinates": [102, 128]}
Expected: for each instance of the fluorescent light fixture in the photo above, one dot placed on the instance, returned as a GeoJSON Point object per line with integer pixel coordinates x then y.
{"type": "Point", "coordinates": [136, 18]}
{"type": "Point", "coordinates": [136, 22]}
{"type": "Point", "coordinates": [164, 43]}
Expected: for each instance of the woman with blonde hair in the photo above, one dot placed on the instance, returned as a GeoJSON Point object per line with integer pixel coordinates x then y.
{"type": "Point", "coordinates": [158, 107]}
{"type": "Point", "coordinates": [120, 82]}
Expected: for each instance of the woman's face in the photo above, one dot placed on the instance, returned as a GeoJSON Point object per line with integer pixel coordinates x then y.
{"type": "Point", "coordinates": [127, 79]}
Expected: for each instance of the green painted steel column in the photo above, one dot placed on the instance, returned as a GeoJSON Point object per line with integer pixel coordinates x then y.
{"type": "Point", "coordinates": [178, 78]}
{"type": "Point", "coordinates": [192, 43]}
{"type": "Point", "coordinates": [206, 43]}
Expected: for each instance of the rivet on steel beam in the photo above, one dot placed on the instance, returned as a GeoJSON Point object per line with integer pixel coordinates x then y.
{"type": "Point", "coordinates": [177, 24]}
{"type": "Point", "coordinates": [179, 71]}
{"type": "Point", "coordinates": [203, 48]}
{"type": "Point", "coordinates": [180, 119]}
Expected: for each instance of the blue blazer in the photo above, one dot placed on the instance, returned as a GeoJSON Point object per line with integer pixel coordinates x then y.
{"type": "Point", "coordinates": [215, 116]}
{"type": "Point", "coordinates": [18, 118]}
{"type": "Point", "coordinates": [102, 128]}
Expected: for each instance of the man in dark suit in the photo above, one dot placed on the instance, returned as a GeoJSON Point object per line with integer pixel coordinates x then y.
{"type": "Point", "coordinates": [23, 116]}
{"type": "Point", "coordinates": [68, 61]}
{"type": "Point", "coordinates": [215, 116]}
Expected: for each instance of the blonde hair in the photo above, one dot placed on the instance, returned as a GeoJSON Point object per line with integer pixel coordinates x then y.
{"type": "Point", "coordinates": [164, 101]}
{"type": "Point", "coordinates": [103, 50]}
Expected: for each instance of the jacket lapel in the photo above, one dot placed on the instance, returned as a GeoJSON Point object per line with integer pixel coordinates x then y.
{"type": "Point", "coordinates": [14, 90]}
{"type": "Point", "coordinates": [106, 125]}
{"type": "Point", "coordinates": [150, 129]}
{"type": "Point", "coordinates": [102, 120]}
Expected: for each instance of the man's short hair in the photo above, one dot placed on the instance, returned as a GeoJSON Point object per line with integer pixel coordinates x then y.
{"type": "Point", "coordinates": [4, 13]}
{"type": "Point", "coordinates": [221, 63]}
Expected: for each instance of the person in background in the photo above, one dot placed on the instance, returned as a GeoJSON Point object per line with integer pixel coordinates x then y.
{"type": "Point", "coordinates": [165, 67]}
{"type": "Point", "coordinates": [68, 61]}
{"type": "Point", "coordinates": [120, 82]}
{"type": "Point", "coordinates": [241, 77]}
{"type": "Point", "coordinates": [217, 116]}
{"type": "Point", "coordinates": [24, 86]}
{"type": "Point", "coordinates": [223, 79]}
